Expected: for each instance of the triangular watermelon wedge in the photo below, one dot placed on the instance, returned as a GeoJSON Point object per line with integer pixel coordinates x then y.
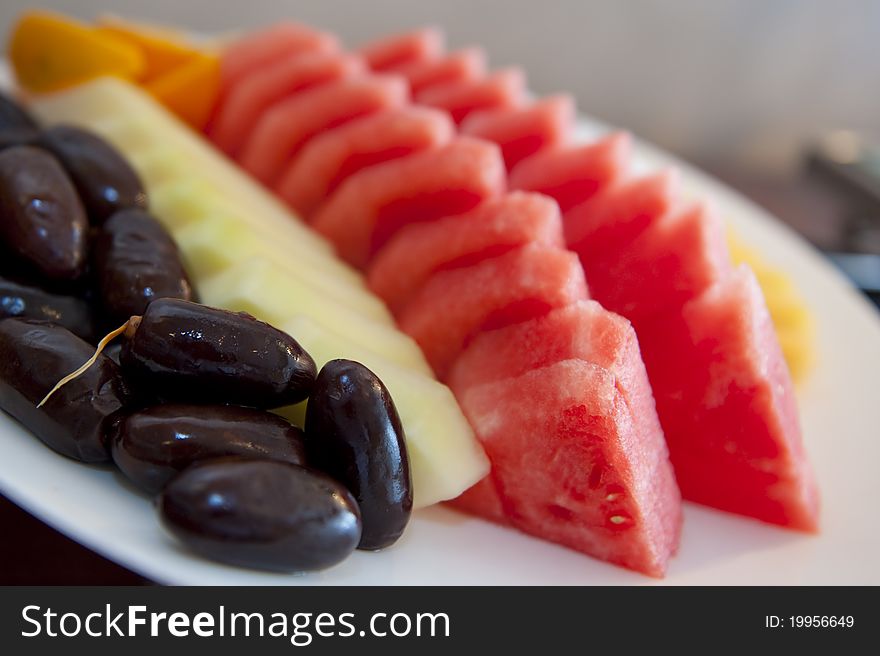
{"type": "Point", "coordinates": [465, 65]}
{"type": "Point", "coordinates": [675, 259]}
{"type": "Point", "coordinates": [373, 204]}
{"type": "Point", "coordinates": [524, 131]}
{"type": "Point", "coordinates": [572, 175]}
{"type": "Point", "coordinates": [504, 88]}
{"type": "Point", "coordinates": [582, 331]}
{"type": "Point", "coordinates": [725, 398]}
{"type": "Point", "coordinates": [245, 101]}
{"type": "Point", "coordinates": [329, 159]}
{"type": "Point", "coordinates": [266, 46]}
{"type": "Point", "coordinates": [570, 466]}
{"type": "Point", "coordinates": [495, 227]}
{"type": "Point", "coordinates": [454, 306]}
{"type": "Point", "coordinates": [284, 128]}
{"type": "Point", "coordinates": [422, 45]}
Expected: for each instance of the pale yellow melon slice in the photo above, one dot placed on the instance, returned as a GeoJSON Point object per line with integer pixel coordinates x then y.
{"type": "Point", "coordinates": [219, 242]}
{"type": "Point", "coordinates": [184, 201]}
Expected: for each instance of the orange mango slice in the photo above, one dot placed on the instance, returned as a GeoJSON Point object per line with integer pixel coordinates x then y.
{"type": "Point", "coordinates": [164, 49]}
{"type": "Point", "coordinates": [51, 52]}
{"type": "Point", "coordinates": [190, 91]}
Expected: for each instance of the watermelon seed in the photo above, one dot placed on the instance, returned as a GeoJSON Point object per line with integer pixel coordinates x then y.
{"type": "Point", "coordinates": [617, 519]}
{"type": "Point", "coordinates": [613, 497]}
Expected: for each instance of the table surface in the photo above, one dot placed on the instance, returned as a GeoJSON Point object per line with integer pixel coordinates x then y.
{"type": "Point", "coordinates": [34, 554]}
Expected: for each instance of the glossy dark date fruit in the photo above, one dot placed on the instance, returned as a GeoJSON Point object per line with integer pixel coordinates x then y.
{"type": "Point", "coordinates": [34, 355]}
{"type": "Point", "coordinates": [354, 434]}
{"type": "Point", "coordinates": [14, 116]}
{"type": "Point", "coordinates": [189, 352]}
{"type": "Point", "coordinates": [104, 179]}
{"type": "Point", "coordinates": [42, 221]}
{"type": "Point", "coordinates": [261, 514]}
{"type": "Point", "coordinates": [27, 302]}
{"type": "Point", "coordinates": [135, 262]}
{"type": "Point", "coordinates": [154, 444]}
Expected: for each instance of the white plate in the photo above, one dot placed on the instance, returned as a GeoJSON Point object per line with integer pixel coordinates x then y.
{"type": "Point", "coordinates": [840, 407]}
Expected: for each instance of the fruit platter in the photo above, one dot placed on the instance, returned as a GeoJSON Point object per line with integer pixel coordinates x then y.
{"type": "Point", "coordinates": [277, 310]}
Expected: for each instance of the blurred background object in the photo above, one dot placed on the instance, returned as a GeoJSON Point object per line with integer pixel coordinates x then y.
{"type": "Point", "coordinates": [741, 80]}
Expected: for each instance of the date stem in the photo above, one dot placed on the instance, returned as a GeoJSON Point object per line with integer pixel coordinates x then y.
{"type": "Point", "coordinates": [128, 328]}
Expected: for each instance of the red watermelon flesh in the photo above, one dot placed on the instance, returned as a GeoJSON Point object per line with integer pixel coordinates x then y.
{"type": "Point", "coordinates": [504, 88]}
{"type": "Point", "coordinates": [571, 467]}
{"type": "Point", "coordinates": [419, 45]}
{"type": "Point", "coordinates": [285, 128]}
{"type": "Point", "coordinates": [523, 131]}
{"type": "Point", "coordinates": [463, 65]}
{"type": "Point", "coordinates": [581, 331]}
{"type": "Point", "coordinates": [263, 47]}
{"type": "Point", "coordinates": [246, 101]}
{"type": "Point", "coordinates": [373, 204]}
{"type": "Point", "coordinates": [454, 306]}
{"type": "Point", "coordinates": [675, 259]}
{"type": "Point", "coordinates": [725, 399]}
{"type": "Point", "coordinates": [619, 213]}
{"type": "Point", "coordinates": [574, 174]}
{"type": "Point", "coordinates": [330, 158]}
{"type": "Point", "coordinates": [494, 227]}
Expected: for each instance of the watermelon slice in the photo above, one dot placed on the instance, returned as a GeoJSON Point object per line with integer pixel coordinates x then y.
{"type": "Point", "coordinates": [581, 331]}
{"type": "Point", "coordinates": [250, 97]}
{"type": "Point", "coordinates": [215, 242]}
{"type": "Point", "coordinates": [372, 205]}
{"type": "Point", "coordinates": [454, 306]}
{"type": "Point", "coordinates": [403, 265]}
{"type": "Point", "coordinates": [523, 131]}
{"type": "Point", "coordinates": [330, 158]}
{"type": "Point", "coordinates": [725, 398]}
{"type": "Point", "coordinates": [285, 127]}
{"type": "Point", "coordinates": [263, 47]}
{"type": "Point", "coordinates": [674, 260]}
{"type": "Point", "coordinates": [504, 88]}
{"type": "Point", "coordinates": [570, 465]}
{"type": "Point", "coordinates": [619, 213]}
{"type": "Point", "coordinates": [393, 51]}
{"type": "Point", "coordinates": [573, 175]}
{"type": "Point", "coordinates": [465, 65]}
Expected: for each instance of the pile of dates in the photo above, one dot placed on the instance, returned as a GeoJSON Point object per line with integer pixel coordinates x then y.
{"type": "Point", "coordinates": [183, 407]}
